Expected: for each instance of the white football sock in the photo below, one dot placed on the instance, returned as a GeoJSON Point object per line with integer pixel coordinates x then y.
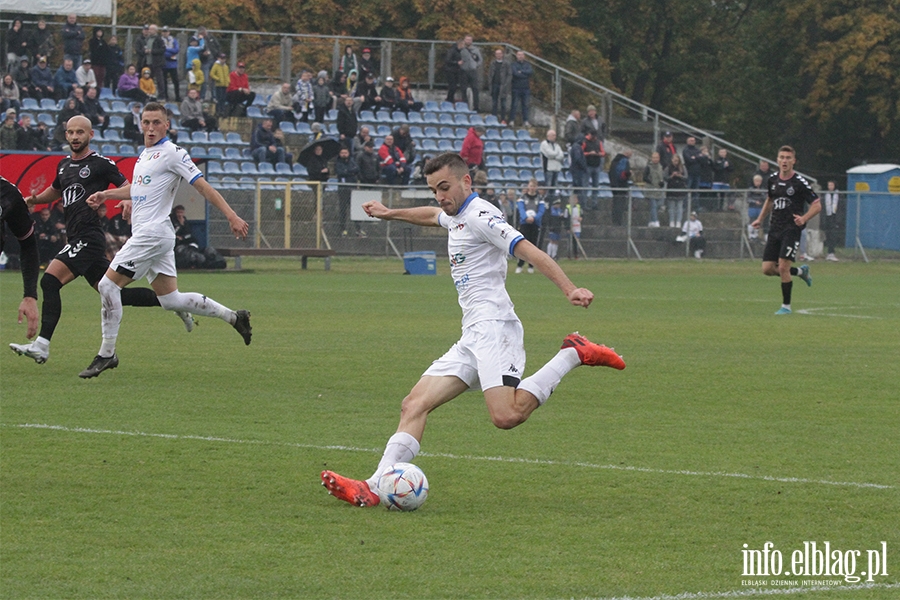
{"type": "Point", "coordinates": [110, 315]}
{"type": "Point", "coordinates": [542, 383]}
{"type": "Point", "coordinates": [401, 447]}
{"type": "Point", "coordinates": [41, 343]}
{"type": "Point", "coordinates": [197, 304]}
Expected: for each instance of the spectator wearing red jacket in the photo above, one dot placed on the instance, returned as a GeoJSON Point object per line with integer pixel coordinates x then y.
{"type": "Point", "coordinates": [238, 95]}
{"type": "Point", "coordinates": [393, 163]}
{"type": "Point", "coordinates": [473, 148]}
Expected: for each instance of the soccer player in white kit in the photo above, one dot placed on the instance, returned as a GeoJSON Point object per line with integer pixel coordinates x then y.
{"type": "Point", "coordinates": [491, 353]}
{"type": "Point", "coordinates": [150, 252]}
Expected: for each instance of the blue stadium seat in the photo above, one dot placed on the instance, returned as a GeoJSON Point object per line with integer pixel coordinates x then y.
{"type": "Point", "coordinates": [246, 183]}
{"type": "Point", "coordinates": [537, 163]}
{"type": "Point", "coordinates": [254, 111]}
{"type": "Point", "coordinates": [48, 104]}
{"type": "Point", "coordinates": [447, 107]}
{"type": "Point", "coordinates": [445, 119]}
{"type": "Point", "coordinates": [113, 135]}
{"type": "Point", "coordinates": [30, 104]}
{"type": "Point", "coordinates": [283, 169]}
{"type": "Point", "coordinates": [366, 116]}
{"type": "Point", "coordinates": [331, 115]}
{"type": "Point", "coordinates": [214, 167]}
{"type": "Point", "coordinates": [492, 160]}
{"type": "Point", "coordinates": [445, 146]}
{"type": "Point", "coordinates": [429, 145]}
{"type": "Point", "coordinates": [507, 148]}
{"type": "Point", "coordinates": [215, 152]}
{"type": "Point", "coordinates": [491, 121]}
{"type": "Point", "coordinates": [448, 133]}
{"type": "Point", "coordinates": [509, 161]}
{"type": "Point", "coordinates": [331, 129]}
{"type": "Point", "coordinates": [526, 174]}
{"type": "Point", "coordinates": [47, 119]}
{"type": "Point", "coordinates": [637, 193]}
{"type": "Point", "coordinates": [416, 132]}
{"type": "Point", "coordinates": [523, 162]}
{"type": "Point", "coordinates": [398, 116]}
{"type": "Point", "coordinates": [382, 130]}
{"type": "Point", "coordinates": [217, 137]}
{"type": "Point", "coordinates": [604, 178]}
{"type": "Point", "coordinates": [523, 148]}
{"type": "Point", "coordinates": [539, 175]}
{"type": "Point", "coordinates": [109, 149]}
{"type": "Point", "coordinates": [461, 119]}
{"type": "Point", "coordinates": [248, 167]}
{"type": "Point", "coordinates": [492, 147]}
{"type": "Point", "coordinates": [233, 137]}
{"type": "Point", "coordinates": [117, 106]}
{"type": "Point", "coordinates": [263, 168]}
{"type": "Point", "coordinates": [116, 121]}
{"type": "Point", "coordinates": [300, 170]}
{"type": "Point", "coordinates": [508, 134]}
{"type": "Point", "coordinates": [127, 150]}
{"type": "Point", "coordinates": [262, 100]}
{"type": "Point", "coordinates": [231, 167]}
{"type": "Point", "coordinates": [493, 134]}
{"type": "Point", "coordinates": [457, 145]}
{"type": "Point", "coordinates": [415, 117]}
{"type": "Point", "coordinates": [462, 107]}
{"type": "Point", "coordinates": [232, 153]}
{"type": "Point", "coordinates": [173, 108]}
{"type": "Point", "coordinates": [431, 117]}
{"type": "Point", "coordinates": [535, 147]}
{"type": "Point", "coordinates": [461, 133]}
{"type": "Point", "coordinates": [106, 93]}
{"type": "Point", "coordinates": [523, 135]}
{"type": "Point", "coordinates": [287, 127]}
{"type": "Point", "coordinates": [476, 119]}
{"type": "Point", "coordinates": [432, 106]}
{"type": "Point", "coordinates": [494, 174]}
{"type": "Point", "coordinates": [510, 174]}
{"type": "Point", "coordinates": [431, 132]}
{"type": "Point", "coordinates": [302, 128]}
{"type": "Point", "coordinates": [228, 183]}
{"type": "Point", "coordinates": [383, 116]}
{"type": "Point", "coordinates": [199, 137]}
{"type": "Point", "coordinates": [197, 152]}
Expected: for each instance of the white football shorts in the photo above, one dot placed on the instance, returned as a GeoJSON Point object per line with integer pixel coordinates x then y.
{"type": "Point", "coordinates": [146, 257]}
{"type": "Point", "coordinates": [489, 354]}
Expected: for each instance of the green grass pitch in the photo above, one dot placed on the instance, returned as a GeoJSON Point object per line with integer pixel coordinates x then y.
{"type": "Point", "coordinates": [191, 471]}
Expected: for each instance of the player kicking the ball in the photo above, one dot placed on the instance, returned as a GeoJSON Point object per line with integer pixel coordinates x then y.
{"type": "Point", "coordinates": [491, 351]}
{"type": "Point", "coordinates": [150, 252]}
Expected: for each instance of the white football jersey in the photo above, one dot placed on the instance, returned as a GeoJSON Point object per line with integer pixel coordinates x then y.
{"type": "Point", "coordinates": [479, 241]}
{"type": "Point", "coordinates": [158, 172]}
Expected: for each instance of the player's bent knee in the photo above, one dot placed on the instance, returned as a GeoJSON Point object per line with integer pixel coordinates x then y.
{"type": "Point", "coordinates": [508, 421]}
{"type": "Point", "coordinates": [107, 287]}
{"type": "Point", "coordinates": [49, 284]}
{"type": "Point", "coordinates": [171, 301]}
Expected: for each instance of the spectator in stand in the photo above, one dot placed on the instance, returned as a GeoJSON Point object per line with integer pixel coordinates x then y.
{"type": "Point", "coordinates": [171, 65]}
{"type": "Point", "coordinates": [281, 104]}
{"type": "Point", "coordinates": [73, 40]}
{"type": "Point", "coordinates": [522, 72]}
{"type": "Point", "coordinates": [655, 180]}
{"type": "Point", "coordinates": [756, 196]}
{"type": "Point", "coordinates": [48, 239]}
{"type": "Point", "coordinates": [575, 219]}
{"type": "Point", "coordinates": [99, 52]}
{"type": "Point", "coordinates": [706, 202]}
{"type": "Point", "coordinates": [666, 150]}
{"type": "Point", "coordinates": [473, 149]}
{"type": "Point", "coordinates": [405, 100]}
{"type": "Point", "coordinates": [147, 84]}
{"type": "Point", "coordinates": [196, 78]}
{"type": "Point", "coordinates": [490, 194]}
{"type": "Point", "coordinates": [593, 156]}
{"type": "Point", "coordinates": [692, 233]}
{"type": "Point", "coordinates": [351, 84]}
{"type": "Point", "coordinates": [192, 115]}
{"type": "Point", "coordinates": [264, 146]}
{"type": "Point", "coordinates": [195, 49]}
{"type": "Point", "coordinates": [78, 95]}
{"type": "Point", "coordinates": [722, 169]}
{"type": "Point", "coordinates": [403, 140]}
{"type": "Point", "coordinates": [322, 97]}
{"type": "Point", "coordinates": [347, 172]}
{"type": "Point", "coordinates": [117, 233]}
{"type": "Point", "coordinates": [42, 79]}
{"type": "Point", "coordinates": [65, 81]}
{"type": "Point", "coordinates": [317, 165]}
{"type": "Point", "coordinates": [764, 170]}
{"type": "Point", "coordinates": [339, 87]}
{"type": "Point", "coordinates": [208, 55]}
{"type": "Point", "coordinates": [238, 94]}
{"type": "Point", "coordinates": [369, 167]}
{"type": "Point", "coordinates": [115, 64]}
{"type": "Point", "coordinates": [676, 186]}
{"type": "Point", "coordinates": [9, 93]}
{"type": "Point", "coordinates": [500, 82]}
{"type": "Point", "coordinates": [85, 75]}
{"type": "Point", "coordinates": [220, 79]}
{"type": "Point", "coordinates": [552, 157]}
{"type": "Point", "coordinates": [530, 208]}
{"type": "Point", "coordinates": [31, 139]}
{"type": "Point", "coordinates": [22, 77]}
{"type": "Point", "coordinates": [690, 155]}
{"type": "Point", "coordinates": [129, 86]}
{"type": "Point", "coordinates": [16, 44]}
{"type": "Point", "coordinates": [304, 96]}
{"type": "Point", "coordinates": [592, 121]}
{"type": "Point", "coordinates": [40, 41]}
{"type": "Point", "coordinates": [830, 224]}
{"type": "Point", "coordinates": [362, 137]}
{"type": "Point", "coordinates": [348, 61]}
{"type": "Point", "coordinates": [156, 57]}
{"type": "Point", "coordinates": [140, 47]}
{"type": "Point", "coordinates": [620, 181]}
{"type": "Point", "coordinates": [470, 70]}
{"type": "Point", "coordinates": [393, 163]}
{"type": "Point", "coordinates": [578, 169]}
{"type": "Point", "coordinates": [370, 100]}
{"type": "Point", "coordinates": [506, 202]}
{"type": "Point", "coordinates": [572, 128]}
{"type": "Point", "coordinates": [9, 131]}
{"type": "Point", "coordinates": [132, 130]}
{"type": "Point", "coordinates": [389, 99]}
{"type": "Point", "coordinates": [453, 68]}
{"type": "Point", "coordinates": [347, 123]}
{"type": "Point", "coordinates": [93, 110]}
{"type": "Point", "coordinates": [366, 64]}
{"type": "Point", "coordinates": [557, 224]}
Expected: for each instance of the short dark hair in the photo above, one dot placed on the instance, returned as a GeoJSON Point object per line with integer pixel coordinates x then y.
{"type": "Point", "coordinates": [448, 159]}
{"type": "Point", "coordinates": [155, 107]}
{"type": "Point", "coordinates": [787, 148]}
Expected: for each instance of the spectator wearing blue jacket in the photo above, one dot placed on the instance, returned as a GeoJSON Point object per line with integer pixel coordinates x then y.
{"type": "Point", "coordinates": [42, 79]}
{"type": "Point", "coordinates": [531, 208]}
{"type": "Point", "coordinates": [522, 72]}
{"type": "Point", "coordinates": [195, 48]}
{"type": "Point", "coordinates": [65, 80]}
{"type": "Point", "coordinates": [171, 67]}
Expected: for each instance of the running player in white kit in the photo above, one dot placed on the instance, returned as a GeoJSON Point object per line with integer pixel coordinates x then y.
{"type": "Point", "coordinates": [150, 251]}
{"type": "Point", "coordinates": [491, 353]}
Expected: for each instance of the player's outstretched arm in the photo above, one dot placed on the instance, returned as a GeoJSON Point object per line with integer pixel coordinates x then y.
{"type": "Point", "coordinates": [119, 193]}
{"type": "Point", "coordinates": [426, 216]}
{"type": "Point", "coordinates": [530, 253]}
{"type": "Point", "coordinates": [239, 227]}
{"type": "Point", "coordinates": [46, 197]}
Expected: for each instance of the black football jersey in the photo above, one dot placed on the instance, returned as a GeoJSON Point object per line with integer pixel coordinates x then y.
{"type": "Point", "coordinates": [789, 197]}
{"type": "Point", "coordinates": [13, 211]}
{"type": "Point", "coordinates": [77, 180]}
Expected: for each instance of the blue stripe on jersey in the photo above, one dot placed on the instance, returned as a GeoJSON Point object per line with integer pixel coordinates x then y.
{"type": "Point", "coordinates": [466, 203]}
{"type": "Point", "coordinates": [165, 139]}
{"type": "Point", "coordinates": [195, 178]}
{"type": "Point", "coordinates": [512, 244]}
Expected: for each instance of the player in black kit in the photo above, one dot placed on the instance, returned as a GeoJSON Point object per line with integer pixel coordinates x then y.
{"type": "Point", "coordinates": [79, 175]}
{"type": "Point", "coordinates": [14, 213]}
{"type": "Point", "coordinates": [789, 193]}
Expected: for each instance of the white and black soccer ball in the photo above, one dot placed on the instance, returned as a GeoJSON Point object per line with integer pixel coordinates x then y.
{"type": "Point", "coordinates": [403, 487]}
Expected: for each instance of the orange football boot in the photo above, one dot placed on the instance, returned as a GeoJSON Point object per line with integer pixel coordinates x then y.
{"type": "Point", "coordinates": [349, 490]}
{"type": "Point", "coordinates": [592, 354]}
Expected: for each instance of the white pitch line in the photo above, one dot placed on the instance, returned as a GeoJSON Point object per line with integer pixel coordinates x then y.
{"type": "Point", "coordinates": [758, 592]}
{"type": "Point", "coordinates": [817, 312]}
{"type": "Point", "coordinates": [505, 459]}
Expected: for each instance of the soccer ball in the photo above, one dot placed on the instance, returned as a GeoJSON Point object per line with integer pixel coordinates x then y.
{"type": "Point", "coordinates": [403, 487]}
